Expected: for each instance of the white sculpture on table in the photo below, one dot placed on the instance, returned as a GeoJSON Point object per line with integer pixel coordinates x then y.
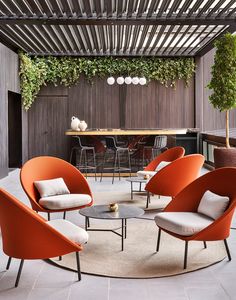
{"type": "Point", "coordinates": [75, 123]}
{"type": "Point", "coordinates": [83, 125]}
{"type": "Point", "coordinates": [78, 125]}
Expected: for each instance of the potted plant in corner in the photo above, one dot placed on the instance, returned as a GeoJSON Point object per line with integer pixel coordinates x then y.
{"type": "Point", "coordinates": [223, 97]}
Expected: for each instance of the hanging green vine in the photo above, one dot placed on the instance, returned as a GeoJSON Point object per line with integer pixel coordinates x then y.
{"type": "Point", "coordinates": [38, 71]}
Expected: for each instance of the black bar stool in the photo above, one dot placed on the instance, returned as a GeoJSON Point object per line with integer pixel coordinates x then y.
{"type": "Point", "coordinates": [81, 157]}
{"type": "Point", "coordinates": [116, 152]}
{"type": "Point", "coordinates": [160, 144]}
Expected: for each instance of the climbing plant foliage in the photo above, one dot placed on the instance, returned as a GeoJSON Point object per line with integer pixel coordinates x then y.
{"type": "Point", "coordinates": [38, 71]}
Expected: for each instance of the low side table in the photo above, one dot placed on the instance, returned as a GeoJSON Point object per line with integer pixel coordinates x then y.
{"type": "Point", "coordinates": [139, 180]}
{"type": "Point", "coordinates": [102, 212]}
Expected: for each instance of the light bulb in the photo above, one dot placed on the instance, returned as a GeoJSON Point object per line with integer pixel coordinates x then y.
{"type": "Point", "coordinates": [111, 80]}
{"type": "Point", "coordinates": [142, 81]}
{"type": "Point", "coordinates": [135, 80]}
{"type": "Point", "coordinates": [128, 80]}
{"type": "Point", "coordinates": [120, 80]}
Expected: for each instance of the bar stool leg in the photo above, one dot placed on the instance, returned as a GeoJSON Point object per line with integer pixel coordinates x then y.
{"type": "Point", "coordinates": [102, 169]}
{"type": "Point", "coordinates": [113, 177]}
{"type": "Point", "coordinates": [118, 157]}
{"type": "Point", "coordinates": [86, 163]}
{"type": "Point", "coordinates": [129, 163]}
{"type": "Point", "coordinates": [95, 165]}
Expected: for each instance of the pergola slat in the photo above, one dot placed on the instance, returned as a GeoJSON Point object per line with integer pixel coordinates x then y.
{"type": "Point", "coordinates": [103, 27]}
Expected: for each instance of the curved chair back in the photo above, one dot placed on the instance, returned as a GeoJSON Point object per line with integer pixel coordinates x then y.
{"type": "Point", "coordinates": [220, 181]}
{"type": "Point", "coordinates": [169, 155]}
{"type": "Point", "coordinates": [170, 180]}
{"type": "Point", "coordinates": [26, 235]}
{"type": "Point", "coordinates": [48, 167]}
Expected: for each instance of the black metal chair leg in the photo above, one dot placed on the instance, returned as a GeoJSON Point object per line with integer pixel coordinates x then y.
{"type": "Point", "coordinates": [78, 266]}
{"type": "Point", "coordinates": [205, 244]}
{"type": "Point", "coordinates": [102, 168]}
{"type": "Point", "coordinates": [8, 263]}
{"type": "Point", "coordinates": [48, 216]}
{"type": "Point", "coordinates": [88, 222]}
{"type": "Point", "coordinates": [148, 201]}
{"type": "Point", "coordinates": [158, 240]}
{"type": "Point", "coordinates": [186, 255]}
{"type": "Point", "coordinates": [60, 257]}
{"type": "Point", "coordinates": [19, 272]}
{"type": "Point", "coordinates": [113, 177]}
{"type": "Point", "coordinates": [227, 249]}
{"type": "Point", "coordinates": [64, 215]}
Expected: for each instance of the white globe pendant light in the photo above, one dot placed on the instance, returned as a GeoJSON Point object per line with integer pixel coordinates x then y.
{"type": "Point", "coordinates": [128, 80]}
{"type": "Point", "coordinates": [120, 80]}
{"type": "Point", "coordinates": [135, 80]}
{"type": "Point", "coordinates": [111, 80]}
{"type": "Point", "coordinates": [142, 81]}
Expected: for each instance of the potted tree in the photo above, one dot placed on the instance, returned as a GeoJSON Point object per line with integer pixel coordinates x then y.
{"type": "Point", "coordinates": [223, 97]}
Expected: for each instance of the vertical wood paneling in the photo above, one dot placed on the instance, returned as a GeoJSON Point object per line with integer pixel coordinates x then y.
{"type": "Point", "coordinates": [104, 106]}
{"type": "Point", "coordinates": [48, 119]}
{"type": "Point", "coordinates": [9, 81]}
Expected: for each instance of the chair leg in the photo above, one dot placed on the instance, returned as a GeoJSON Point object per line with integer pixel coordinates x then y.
{"type": "Point", "coordinates": [78, 266]}
{"type": "Point", "coordinates": [205, 244]}
{"type": "Point", "coordinates": [113, 177]}
{"type": "Point", "coordinates": [8, 263]}
{"type": "Point", "coordinates": [48, 216]}
{"type": "Point", "coordinates": [186, 254]}
{"type": "Point", "coordinates": [95, 164]}
{"type": "Point", "coordinates": [118, 158]}
{"type": "Point", "coordinates": [158, 240]}
{"type": "Point", "coordinates": [64, 215]}
{"type": "Point", "coordinates": [227, 249]}
{"type": "Point", "coordinates": [102, 168]}
{"type": "Point", "coordinates": [148, 200]}
{"type": "Point", "coordinates": [129, 164]}
{"type": "Point", "coordinates": [19, 272]}
{"type": "Point", "coordinates": [60, 257]}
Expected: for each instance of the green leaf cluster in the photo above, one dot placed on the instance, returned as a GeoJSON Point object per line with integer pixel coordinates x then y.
{"type": "Point", "coordinates": [38, 71]}
{"type": "Point", "coordinates": [223, 82]}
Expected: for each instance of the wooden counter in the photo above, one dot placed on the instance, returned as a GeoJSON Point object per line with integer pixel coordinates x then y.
{"type": "Point", "coordinates": [129, 132]}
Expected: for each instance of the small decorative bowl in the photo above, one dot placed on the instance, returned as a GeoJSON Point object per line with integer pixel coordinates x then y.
{"type": "Point", "coordinates": [113, 207]}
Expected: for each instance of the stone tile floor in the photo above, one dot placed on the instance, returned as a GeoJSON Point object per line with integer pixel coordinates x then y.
{"type": "Point", "coordinates": [40, 280]}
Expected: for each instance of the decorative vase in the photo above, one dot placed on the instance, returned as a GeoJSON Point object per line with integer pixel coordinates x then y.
{"type": "Point", "coordinates": [83, 125]}
{"type": "Point", "coordinates": [75, 124]}
{"type": "Point", "coordinates": [113, 207]}
{"type": "Point", "coordinates": [224, 157]}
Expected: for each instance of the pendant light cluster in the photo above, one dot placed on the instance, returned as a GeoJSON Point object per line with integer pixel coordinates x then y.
{"type": "Point", "coordinates": [128, 80]}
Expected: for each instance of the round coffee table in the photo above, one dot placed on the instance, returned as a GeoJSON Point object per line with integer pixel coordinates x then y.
{"type": "Point", "coordinates": [139, 180]}
{"type": "Point", "coordinates": [103, 212]}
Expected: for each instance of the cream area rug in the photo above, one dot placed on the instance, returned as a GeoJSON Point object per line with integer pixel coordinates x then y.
{"type": "Point", "coordinates": [103, 256]}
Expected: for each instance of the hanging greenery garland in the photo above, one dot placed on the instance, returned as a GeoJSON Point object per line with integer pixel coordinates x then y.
{"type": "Point", "coordinates": [38, 71]}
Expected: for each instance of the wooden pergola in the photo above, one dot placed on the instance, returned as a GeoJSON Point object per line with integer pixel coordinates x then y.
{"type": "Point", "coordinates": [114, 27]}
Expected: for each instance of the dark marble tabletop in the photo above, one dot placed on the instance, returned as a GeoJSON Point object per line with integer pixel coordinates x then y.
{"type": "Point", "coordinates": [103, 212]}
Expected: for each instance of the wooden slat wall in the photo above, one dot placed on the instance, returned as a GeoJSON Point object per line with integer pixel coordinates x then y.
{"type": "Point", "coordinates": [104, 106]}
{"type": "Point", "coordinates": [9, 81]}
{"type": "Point", "coordinates": [208, 118]}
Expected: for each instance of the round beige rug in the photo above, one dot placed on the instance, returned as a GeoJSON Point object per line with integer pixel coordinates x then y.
{"type": "Point", "coordinates": [103, 256]}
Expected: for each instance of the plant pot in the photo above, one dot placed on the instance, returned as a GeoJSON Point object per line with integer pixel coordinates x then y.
{"type": "Point", "coordinates": [224, 157]}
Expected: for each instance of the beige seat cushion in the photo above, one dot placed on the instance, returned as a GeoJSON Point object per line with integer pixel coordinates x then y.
{"type": "Point", "coordinates": [65, 201]}
{"type": "Point", "coordinates": [144, 173]}
{"type": "Point", "coordinates": [213, 205]}
{"type": "Point", "coordinates": [70, 230]}
{"type": "Point", "coordinates": [183, 223]}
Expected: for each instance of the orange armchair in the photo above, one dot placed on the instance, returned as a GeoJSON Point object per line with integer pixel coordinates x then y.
{"type": "Point", "coordinates": [220, 181]}
{"type": "Point", "coordinates": [27, 235]}
{"type": "Point", "coordinates": [169, 155]}
{"type": "Point", "coordinates": [47, 167]}
{"type": "Point", "coordinates": [170, 180]}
